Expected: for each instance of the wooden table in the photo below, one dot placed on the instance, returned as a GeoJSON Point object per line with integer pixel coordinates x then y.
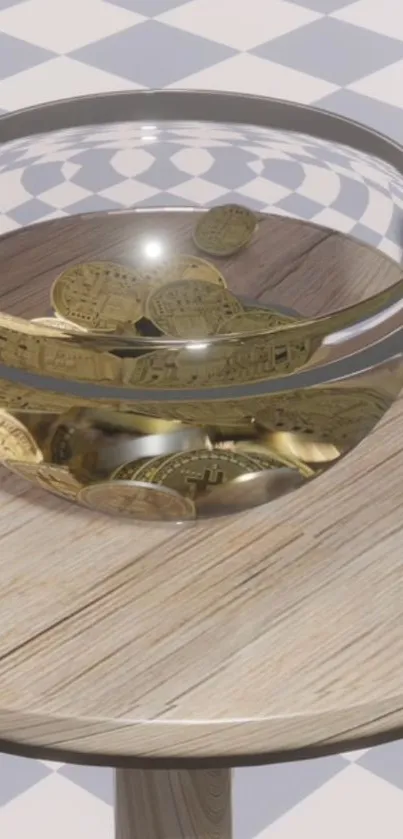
{"type": "Point", "coordinates": [271, 636]}
{"type": "Point", "coordinates": [177, 654]}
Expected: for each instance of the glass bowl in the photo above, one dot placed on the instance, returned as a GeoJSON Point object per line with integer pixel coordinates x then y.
{"type": "Point", "coordinates": [201, 298]}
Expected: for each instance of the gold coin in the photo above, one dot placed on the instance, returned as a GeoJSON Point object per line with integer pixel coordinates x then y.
{"type": "Point", "coordinates": [196, 472]}
{"type": "Point", "coordinates": [183, 267]}
{"type": "Point", "coordinates": [254, 320]}
{"type": "Point", "coordinates": [142, 501]}
{"type": "Point", "coordinates": [99, 296]}
{"type": "Point", "coordinates": [56, 479]}
{"type": "Point", "coordinates": [190, 309]}
{"type": "Point", "coordinates": [142, 469]}
{"type": "Point", "coordinates": [16, 441]}
{"type": "Point", "coordinates": [39, 424]}
{"type": "Point", "coordinates": [59, 324]}
{"type": "Point", "coordinates": [224, 230]}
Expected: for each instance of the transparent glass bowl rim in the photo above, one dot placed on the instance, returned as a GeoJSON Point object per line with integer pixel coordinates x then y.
{"type": "Point", "coordinates": [203, 107]}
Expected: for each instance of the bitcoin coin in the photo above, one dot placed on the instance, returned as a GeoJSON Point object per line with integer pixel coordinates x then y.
{"type": "Point", "coordinates": [267, 458]}
{"type": "Point", "coordinates": [16, 442]}
{"type": "Point", "coordinates": [141, 470]}
{"type": "Point", "coordinates": [56, 479]}
{"type": "Point", "coordinates": [253, 320]}
{"type": "Point", "coordinates": [190, 308]}
{"type": "Point", "coordinates": [59, 324]}
{"type": "Point", "coordinates": [183, 267]}
{"type": "Point", "coordinates": [99, 296]}
{"type": "Point", "coordinates": [197, 472]}
{"type": "Point", "coordinates": [39, 424]}
{"type": "Point", "coordinates": [224, 230]}
{"type": "Point", "coordinates": [141, 501]}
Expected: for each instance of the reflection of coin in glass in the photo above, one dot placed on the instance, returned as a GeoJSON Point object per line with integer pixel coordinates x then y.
{"type": "Point", "coordinates": [196, 472]}
{"type": "Point", "coordinates": [58, 323]}
{"type": "Point", "coordinates": [16, 442]}
{"type": "Point", "coordinates": [340, 416]}
{"type": "Point", "coordinates": [59, 447]}
{"type": "Point", "coordinates": [99, 296]}
{"type": "Point", "coordinates": [224, 230]}
{"type": "Point", "coordinates": [190, 308]}
{"type": "Point", "coordinates": [56, 479]}
{"type": "Point", "coordinates": [141, 501]}
{"type": "Point", "coordinates": [248, 491]}
{"type": "Point", "coordinates": [254, 320]}
{"type": "Point", "coordinates": [183, 267]}
{"type": "Point", "coordinates": [105, 418]}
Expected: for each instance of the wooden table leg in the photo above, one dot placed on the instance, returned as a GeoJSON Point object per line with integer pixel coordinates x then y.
{"type": "Point", "coordinates": [173, 804]}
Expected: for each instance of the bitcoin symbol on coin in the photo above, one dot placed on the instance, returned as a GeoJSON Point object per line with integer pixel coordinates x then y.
{"type": "Point", "coordinates": [196, 472]}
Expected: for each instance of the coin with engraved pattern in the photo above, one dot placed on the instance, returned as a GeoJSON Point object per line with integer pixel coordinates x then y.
{"type": "Point", "coordinates": [99, 296]}
{"type": "Point", "coordinates": [139, 501]}
{"type": "Point", "coordinates": [55, 478]}
{"type": "Point", "coordinates": [190, 308]}
{"type": "Point", "coordinates": [196, 472]}
{"type": "Point", "coordinates": [183, 267]}
{"type": "Point", "coordinates": [264, 455]}
{"type": "Point", "coordinates": [268, 458]}
{"type": "Point", "coordinates": [16, 441]}
{"type": "Point", "coordinates": [224, 230]}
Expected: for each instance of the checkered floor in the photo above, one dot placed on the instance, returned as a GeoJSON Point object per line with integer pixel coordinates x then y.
{"type": "Point", "coordinates": [344, 56]}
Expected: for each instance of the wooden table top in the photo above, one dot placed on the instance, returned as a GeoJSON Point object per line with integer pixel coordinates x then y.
{"type": "Point", "coordinates": [273, 634]}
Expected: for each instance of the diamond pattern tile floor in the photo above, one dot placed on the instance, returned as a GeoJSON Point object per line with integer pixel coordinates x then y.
{"type": "Point", "coordinates": [327, 48]}
{"type": "Point", "coordinates": [128, 54]}
{"type": "Point", "coordinates": [343, 55]}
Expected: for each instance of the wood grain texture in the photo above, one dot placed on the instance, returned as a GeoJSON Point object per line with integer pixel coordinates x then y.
{"type": "Point", "coordinates": [261, 635]}
{"type": "Point", "coordinates": [290, 263]}
{"type": "Point", "coordinates": [274, 631]}
{"type": "Point", "coordinates": [173, 804]}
